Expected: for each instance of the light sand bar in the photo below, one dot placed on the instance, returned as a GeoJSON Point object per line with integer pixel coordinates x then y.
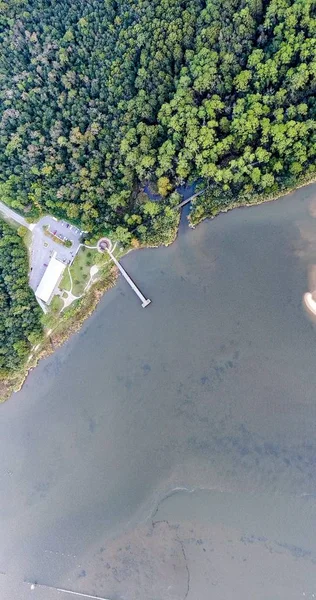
{"type": "Point", "coordinates": [310, 302]}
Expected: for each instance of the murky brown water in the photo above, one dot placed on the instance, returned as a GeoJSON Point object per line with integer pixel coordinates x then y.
{"type": "Point", "coordinates": [211, 389]}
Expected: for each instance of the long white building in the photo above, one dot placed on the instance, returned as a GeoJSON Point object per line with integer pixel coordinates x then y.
{"type": "Point", "coordinates": [50, 280]}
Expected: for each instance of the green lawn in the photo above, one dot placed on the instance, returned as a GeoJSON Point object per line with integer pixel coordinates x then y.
{"type": "Point", "coordinates": [80, 269]}
{"type": "Point", "coordinates": [56, 304]}
{"type": "Point", "coordinates": [65, 282]}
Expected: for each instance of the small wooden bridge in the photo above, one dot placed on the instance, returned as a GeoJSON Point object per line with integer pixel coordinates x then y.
{"type": "Point", "coordinates": [187, 200]}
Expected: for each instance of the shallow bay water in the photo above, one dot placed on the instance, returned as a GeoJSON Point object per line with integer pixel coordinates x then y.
{"type": "Point", "coordinates": [170, 452]}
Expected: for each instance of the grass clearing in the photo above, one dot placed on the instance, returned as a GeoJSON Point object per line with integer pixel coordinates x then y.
{"type": "Point", "coordinates": [80, 269]}
{"type": "Point", "coordinates": [65, 283]}
{"type": "Point", "coordinates": [56, 304]}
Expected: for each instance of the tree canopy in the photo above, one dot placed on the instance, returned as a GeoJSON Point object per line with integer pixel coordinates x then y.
{"type": "Point", "coordinates": [99, 97]}
{"type": "Point", "coordinates": [20, 325]}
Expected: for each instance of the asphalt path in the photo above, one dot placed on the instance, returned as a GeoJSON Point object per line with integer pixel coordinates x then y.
{"type": "Point", "coordinates": [12, 214]}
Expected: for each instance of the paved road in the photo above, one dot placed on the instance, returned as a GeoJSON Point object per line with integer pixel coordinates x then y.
{"type": "Point", "coordinates": [12, 214]}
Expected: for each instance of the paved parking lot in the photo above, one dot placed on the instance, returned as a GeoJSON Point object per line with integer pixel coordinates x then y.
{"type": "Point", "coordinates": [43, 246]}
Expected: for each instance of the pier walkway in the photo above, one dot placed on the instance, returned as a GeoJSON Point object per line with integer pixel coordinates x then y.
{"type": "Point", "coordinates": [144, 301]}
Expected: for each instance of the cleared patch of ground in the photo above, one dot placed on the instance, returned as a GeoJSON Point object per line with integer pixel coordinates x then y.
{"type": "Point", "coordinates": [80, 269]}
{"type": "Point", "coordinates": [65, 283]}
{"type": "Point", "coordinates": [56, 304]}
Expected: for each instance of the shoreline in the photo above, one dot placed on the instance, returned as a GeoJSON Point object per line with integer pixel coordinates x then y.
{"type": "Point", "coordinates": [258, 202]}
{"type": "Point", "coordinates": [60, 334]}
{"type": "Point", "coordinates": [89, 303]}
{"type": "Point", "coordinates": [71, 325]}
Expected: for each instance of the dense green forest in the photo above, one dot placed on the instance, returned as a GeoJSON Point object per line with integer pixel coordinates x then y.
{"type": "Point", "coordinates": [99, 97]}
{"type": "Point", "coordinates": [20, 325]}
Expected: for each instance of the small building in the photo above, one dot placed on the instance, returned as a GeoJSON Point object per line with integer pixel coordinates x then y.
{"type": "Point", "coordinates": [50, 280]}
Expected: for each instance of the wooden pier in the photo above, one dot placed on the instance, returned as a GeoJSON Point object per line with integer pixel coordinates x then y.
{"type": "Point", "coordinates": [144, 301]}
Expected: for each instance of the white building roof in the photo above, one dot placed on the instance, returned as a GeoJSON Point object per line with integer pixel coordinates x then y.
{"type": "Point", "coordinates": [50, 279]}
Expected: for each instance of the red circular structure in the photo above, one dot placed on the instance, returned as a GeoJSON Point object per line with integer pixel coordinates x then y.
{"type": "Point", "coordinates": [104, 244]}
